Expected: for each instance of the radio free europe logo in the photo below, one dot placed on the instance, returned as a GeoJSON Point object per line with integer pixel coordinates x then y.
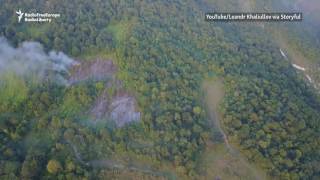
{"type": "Point", "coordinates": [36, 17]}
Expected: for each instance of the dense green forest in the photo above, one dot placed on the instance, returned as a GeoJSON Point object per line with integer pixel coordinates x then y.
{"type": "Point", "coordinates": [164, 50]}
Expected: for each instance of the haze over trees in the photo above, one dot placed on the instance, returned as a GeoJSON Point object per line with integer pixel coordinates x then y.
{"type": "Point", "coordinates": [163, 50]}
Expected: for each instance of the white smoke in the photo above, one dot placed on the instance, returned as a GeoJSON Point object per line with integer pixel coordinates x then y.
{"type": "Point", "coordinates": [30, 59]}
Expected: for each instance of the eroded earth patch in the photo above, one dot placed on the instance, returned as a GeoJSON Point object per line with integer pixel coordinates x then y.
{"type": "Point", "coordinates": [114, 103]}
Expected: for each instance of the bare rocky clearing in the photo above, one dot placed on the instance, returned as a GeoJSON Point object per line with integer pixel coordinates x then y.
{"type": "Point", "coordinates": [93, 70]}
{"type": "Point", "coordinates": [114, 103]}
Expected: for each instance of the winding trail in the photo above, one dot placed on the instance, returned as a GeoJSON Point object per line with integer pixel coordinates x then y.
{"type": "Point", "coordinates": [214, 93]}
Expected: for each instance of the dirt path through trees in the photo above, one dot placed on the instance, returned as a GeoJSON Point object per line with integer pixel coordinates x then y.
{"type": "Point", "coordinates": [239, 165]}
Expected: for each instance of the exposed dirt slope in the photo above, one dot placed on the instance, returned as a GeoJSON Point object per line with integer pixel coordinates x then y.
{"type": "Point", "coordinates": [114, 103]}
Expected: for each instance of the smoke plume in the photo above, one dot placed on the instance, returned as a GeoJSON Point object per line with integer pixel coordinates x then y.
{"type": "Point", "coordinates": [30, 60]}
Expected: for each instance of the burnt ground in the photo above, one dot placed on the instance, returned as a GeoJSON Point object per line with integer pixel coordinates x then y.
{"type": "Point", "coordinates": [93, 70]}
{"type": "Point", "coordinates": [114, 103]}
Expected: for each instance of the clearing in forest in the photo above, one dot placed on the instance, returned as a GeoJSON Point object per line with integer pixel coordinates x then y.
{"type": "Point", "coordinates": [221, 160]}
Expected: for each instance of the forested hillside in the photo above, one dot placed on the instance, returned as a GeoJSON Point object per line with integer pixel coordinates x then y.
{"type": "Point", "coordinates": [163, 50]}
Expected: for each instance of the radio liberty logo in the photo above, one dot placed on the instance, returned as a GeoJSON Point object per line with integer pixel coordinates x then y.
{"type": "Point", "coordinates": [39, 17]}
{"type": "Point", "coordinates": [20, 15]}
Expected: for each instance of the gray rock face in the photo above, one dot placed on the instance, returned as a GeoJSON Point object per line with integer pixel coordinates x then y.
{"type": "Point", "coordinates": [120, 107]}
{"type": "Point", "coordinates": [123, 110]}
